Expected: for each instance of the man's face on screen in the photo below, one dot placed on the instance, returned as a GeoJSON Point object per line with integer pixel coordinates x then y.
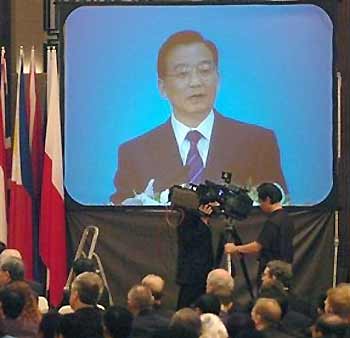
{"type": "Point", "coordinates": [190, 82]}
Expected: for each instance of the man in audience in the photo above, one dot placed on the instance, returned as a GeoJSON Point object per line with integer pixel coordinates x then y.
{"type": "Point", "coordinates": [79, 266]}
{"type": "Point", "coordinates": [292, 322]}
{"type": "Point", "coordinates": [266, 315]}
{"type": "Point", "coordinates": [207, 303]}
{"type": "Point", "coordinates": [221, 284]}
{"type": "Point", "coordinates": [329, 325]}
{"type": "Point", "coordinates": [117, 322]}
{"type": "Point", "coordinates": [11, 262]}
{"type": "Point", "coordinates": [188, 321]}
{"type": "Point", "coordinates": [146, 320]}
{"type": "Point", "coordinates": [156, 285]}
{"type": "Point", "coordinates": [282, 272]}
{"type": "Point", "coordinates": [338, 302]}
{"type": "Point", "coordinates": [11, 269]}
{"type": "Point", "coordinates": [86, 321]}
{"type": "Point", "coordinates": [278, 270]}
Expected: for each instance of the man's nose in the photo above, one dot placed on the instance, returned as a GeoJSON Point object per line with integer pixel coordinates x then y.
{"type": "Point", "coordinates": [194, 78]}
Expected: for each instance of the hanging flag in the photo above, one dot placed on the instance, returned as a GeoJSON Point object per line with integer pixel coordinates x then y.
{"type": "Point", "coordinates": [3, 161]}
{"type": "Point", "coordinates": [6, 116]}
{"type": "Point", "coordinates": [35, 127]}
{"type": "Point", "coordinates": [36, 147]}
{"type": "Point", "coordinates": [20, 230]}
{"type": "Point", "coordinates": [52, 220]}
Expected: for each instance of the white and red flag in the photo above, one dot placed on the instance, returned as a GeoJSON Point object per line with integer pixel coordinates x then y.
{"type": "Point", "coordinates": [52, 220]}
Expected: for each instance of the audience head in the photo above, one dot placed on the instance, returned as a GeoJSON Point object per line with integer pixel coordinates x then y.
{"type": "Point", "coordinates": [221, 284]}
{"type": "Point", "coordinates": [139, 299]}
{"type": "Point", "coordinates": [279, 270]}
{"type": "Point", "coordinates": [49, 325]}
{"type": "Point", "coordinates": [11, 269]}
{"type": "Point", "coordinates": [30, 310]}
{"type": "Point", "coordinates": [207, 303]}
{"type": "Point", "coordinates": [266, 313]}
{"type": "Point", "coordinates": [238, 324]}
{"type": "Point", "coordinates": [274, 289]}
{"type": "Point", "coordinates": [86, 290]}
{"type": "Point", "coordinates": [117, 322]}
{"type": "Point", "coordinates": [81, 265]}
{"type": "Point", "coordinates": [156, 285]}
{"type": "Point", "coordinates": [212, 326]}
{"type": "Point", "coordinates": [329, 324]}
{"type": "Point", "coordinates": [10, 253]}
{"type": "Point", "coordinates": [76, 326]}
{"type": "Point", "coordinates": [12, 303]}
{"type": "Point", "coordinates": [338, 301]}
{"type": "Point", "coordinates": [188, 320]}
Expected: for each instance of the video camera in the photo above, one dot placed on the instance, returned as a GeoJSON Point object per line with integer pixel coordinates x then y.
{"type": "Point", "coordinates": [233, 200]}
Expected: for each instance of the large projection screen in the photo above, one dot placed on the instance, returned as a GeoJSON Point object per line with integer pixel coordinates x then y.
{"type": "Point", "coordinates": [275, 78]}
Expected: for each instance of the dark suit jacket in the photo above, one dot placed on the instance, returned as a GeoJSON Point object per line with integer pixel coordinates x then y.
{"type": "Point", "coordinates": [250, 152]}
{"type": "Point", "coordinates": [195, 251]}
{"type": "Point", "coordinates": [147, 323]}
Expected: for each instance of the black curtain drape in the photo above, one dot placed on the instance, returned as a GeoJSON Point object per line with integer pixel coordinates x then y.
{"type": "Point", "coordinates": [135, 242]}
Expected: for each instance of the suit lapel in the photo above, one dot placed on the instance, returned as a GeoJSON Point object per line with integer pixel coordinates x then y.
{"type": "Point", "coordinates": [173, 172]}
{"type": "Point", "coordinates": [216, 154]}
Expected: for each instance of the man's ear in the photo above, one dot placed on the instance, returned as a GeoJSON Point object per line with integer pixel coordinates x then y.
{"type": "Point", "coordinates": [258, 318]}
{"type": "Point", "coordinates": [8, 277]}
{"type": "Point", "coordinates": [161, 86]}
{"type": "Point", "coordinates": [74, 297]}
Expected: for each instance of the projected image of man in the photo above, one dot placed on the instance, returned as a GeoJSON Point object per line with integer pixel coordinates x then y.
{"type": "Point", "coordinates": [196, 142]}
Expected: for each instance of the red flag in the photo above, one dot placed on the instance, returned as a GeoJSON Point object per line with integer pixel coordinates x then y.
{"type": "Point", "coordinates": [52, 222]}
{"type": "Point", "coordinates": [21, 187]}
{"type": "Point", "coordinates": [3, 162]}
{"type": "Point", "coordinates": [35, 127]}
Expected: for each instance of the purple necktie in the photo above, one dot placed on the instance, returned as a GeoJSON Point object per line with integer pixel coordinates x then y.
{"type": "Point", "coordinates": [194, 160]}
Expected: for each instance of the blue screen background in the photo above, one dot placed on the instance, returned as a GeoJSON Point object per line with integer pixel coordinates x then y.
{"type": "Point", "coordinates": [275, 65]}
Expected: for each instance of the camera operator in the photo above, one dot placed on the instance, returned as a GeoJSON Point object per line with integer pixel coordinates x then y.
{"type": "Point", "coordinates": [195, 254]}
{"type": "Point", "coordinates": [276, 237]}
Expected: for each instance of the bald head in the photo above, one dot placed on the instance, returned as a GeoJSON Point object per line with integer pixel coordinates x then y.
{"type": "Point", "coordinates": [187, 319]}
{"type": "Point", "coordinates": [10, 253]}
{"type": "Point", "coordinates": [139, 298]}
{"type": "Point", "coordinates": [221, 284]}
{"type": "Point", "coordinates": [155, 284]}
{"type": "Point", "coordinates": [265, 313]}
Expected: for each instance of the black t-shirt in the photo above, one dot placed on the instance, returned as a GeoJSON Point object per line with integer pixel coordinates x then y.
{"type": "Point", "coordinates": [276, 239]}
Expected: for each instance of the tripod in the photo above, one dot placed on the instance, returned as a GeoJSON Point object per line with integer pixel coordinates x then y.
{"type": "Point", "coordinates": [232, 236]}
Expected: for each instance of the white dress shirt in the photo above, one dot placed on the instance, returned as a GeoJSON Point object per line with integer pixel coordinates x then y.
{"type": "Point", "coordinates": [181, 130]}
